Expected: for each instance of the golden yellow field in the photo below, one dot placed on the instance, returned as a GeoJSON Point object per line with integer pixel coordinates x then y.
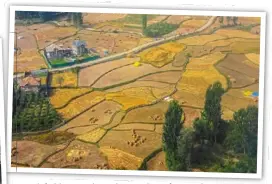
{"type": "Point", "coordinates": [201, 40]}
{"type": "Point", "coordinates": [243, 47]}
{"type": "Point", "coordinates": [162, 55]}
{"type": "Point", "coordinates": [193, 23]}
{"type": "Point", "coordinates": [223, 42]}
{"type": "Point", "coordinates": [29, 60]}
{"type": "Point", "coordinates": [61, 96]}
{"type": "Point", "coordinates": [205, 62]}
{"type": "Point", "coordinates": [119, 159]}
{"type": "Point", "coordinates": [231, 33]}
{"type": "Point", "coordinates": [92, 136]}
{"type": "Point", "coordinates": [80, 104]}
{"type": "Point", "coordinates": [200, 74]}
{"type": "Point", "coordinates": [132, 97]}
{"type": "Point", "coordinates": [135, 126]}
{"type": "Point", "coordinates": [64, 79]}
{"type": "Point", "coordinates": [163, 92]}
{"type": "Point", "coordinates": [255, 58]}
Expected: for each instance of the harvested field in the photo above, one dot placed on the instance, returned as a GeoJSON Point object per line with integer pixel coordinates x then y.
{"type": "Point", "coordinates": [94, 18]}
{"type": "Point", "coordinates": [255, 58]}
{"type": "Point", "coordinates": [32, 153]}
{"type": "Point", "coordinates": [119, 140]}
{"type": "Point", "coordinates": [135, 126]}
{"type": "Point", "coordinates": [244, 47]}
{"type": "Point", "coordinates": [63, 79]}
{"type": "Point", "coordinates": [87, 76]}
{"type": "Point", "coordinates": [233, 33]}
{"type": "Point", "coordinates": [60, 97]}
{"type": "Point", "coordinates": [200, 40]}
{"type": "Point", "coordinates": [168, 77]}
{"type": "Point", "coordinates": [190, 115]}
{"type": "Point", "coordinates": [176, 19]}
{"type": "Point", "coordinates": [157, 19]}
{"type": "Point", "coordinates": [180, 60]}
{"type": "Point", "coordinates": [198, 50]}
{"type": "Point", "coordinates": [129, 73]}
{"type": "Point", "coordinates": [200, 74]}
{"type": "Point", "coordinates": [189, 99]}
{"type": "Point", "coordinates": [249, 20]}
{"type": "Point", "coordinates": [139, 83]}
{"type": "Point", "coordinates": [132, 97]}
{"type": "Point", "coordinates": [45, 37]}
{"type": "Point", "coordinates": [236, 62]}
{"type": "Point", "coordinates": [93, 136]}
{"type": "Point", "coordinates": [197, 81]}
{"type": "Point", "coordinates": [119, 159]}
{"type": "Point", "coordinates": [26, 41]}
{"type": "Point", "coordinates": [205, 62]}
{"type": "Point", "coordinates": [160, 93]}
{"type": "Point", "coordinates": [236, 78]}
{"type": "Point", "coordinates": [194, 23]}
{"type": "Point", "coordinates": [158, 128]}
{"type": "Point", "coordinates": [99, 115]}
{"type": "Point", "coordinates": [118, 117]}
{"type": "Point", "coordinates": [157, 163]}
{"type": "Point", "coordinates": [29, 60]}
{"type": "Point", "coordinates": [223, 42]}
{"type": "Point", "coordinates": [80, 155]}
{"type": "Point", "coordinates": [161, 55]}
{"type": "Point", "coordinates": [148, 114]}
{"type": "Point", "coordinates": [234, 103]}
{"type": "Point", "coordinates": [80, 104]}
{"type": "Point", "coordinates": [255, 30]}
{"type": "Point", "coordinates": [51, 138]}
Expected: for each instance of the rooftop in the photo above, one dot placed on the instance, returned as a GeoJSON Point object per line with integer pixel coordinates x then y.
{"type": "Point", "coordinates": [31, 81]}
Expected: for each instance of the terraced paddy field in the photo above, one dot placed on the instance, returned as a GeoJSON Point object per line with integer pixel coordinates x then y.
{"type": "Point", "coordinates": [113, 113]}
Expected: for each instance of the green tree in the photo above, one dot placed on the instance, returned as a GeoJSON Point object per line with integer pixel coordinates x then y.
{"type": "Point", "coordinates": [76, 19]}
{"type": "Point", "coordinates": [212, 107]}
{"type": "Point", "coordinates": [202, 130]}
{"type": "Point", "coordinates": [243, 134]}
{"type": "Point", "coordinates": [171, 132]}
{"type": "Point", "coordinates": [185, 146]}
{"type": "Point", "coordinates": [221, 20]}
{"type": "Point", "coordinates": [235, 20]}
{"type": "Point", "coordinates": [144, 21]}
{"type": "Point", "coordinates": [228, 19]}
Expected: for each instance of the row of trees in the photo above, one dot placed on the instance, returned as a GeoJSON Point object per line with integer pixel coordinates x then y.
{"type": "Point", "coordinates": [44, 16]}
{"type": "Point", "coordinates": [238, 135]}
{"type": "Point", "coordinates": [229, 19]}
{"type": "Point", "coordinates": [32, 111]}
{"type": "Point", "coordinates": [75, 18]}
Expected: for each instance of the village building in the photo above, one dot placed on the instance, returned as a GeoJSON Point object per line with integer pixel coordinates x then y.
{"type": "Point", "coordinates": [79, 47]}
{"type": "Point", "coordinates": [30, 84]}
{"type": "Point", "coordinates": [57, 51]}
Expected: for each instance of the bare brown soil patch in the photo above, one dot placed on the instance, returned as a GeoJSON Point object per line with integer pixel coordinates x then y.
{"type": "Point", "coordinates": [157, 163]}
{"type": "Point", "coordinates": [87, 76]}
{"type": "Point", "coordinates": [80, 155]}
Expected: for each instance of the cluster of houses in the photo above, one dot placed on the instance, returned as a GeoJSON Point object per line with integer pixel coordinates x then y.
{"type": "Point", "coordinates": [78, 48]}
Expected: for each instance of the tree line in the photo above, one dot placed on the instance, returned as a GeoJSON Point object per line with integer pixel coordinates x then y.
{"type": "Point", "coordinates": [32, 111]}
{"type": "Point", "coordinates": [74, 17]}
{"type": "Point", "coordinates": [237, 136]}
